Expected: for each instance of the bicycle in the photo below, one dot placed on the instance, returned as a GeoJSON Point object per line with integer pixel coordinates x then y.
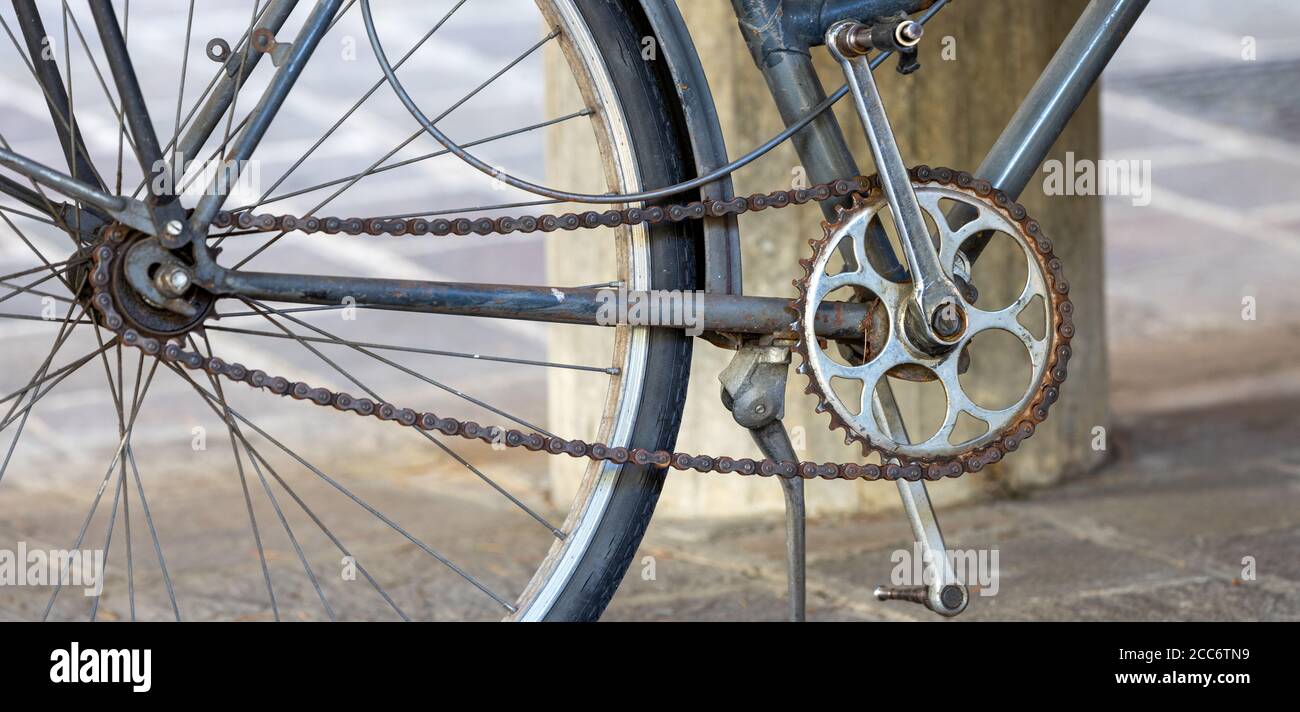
{"type": "Point", "coordinates": [887, 292]}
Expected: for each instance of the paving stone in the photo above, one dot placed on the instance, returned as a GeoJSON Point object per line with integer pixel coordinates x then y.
{"type": "Point", "coordinates": [1203, 600]}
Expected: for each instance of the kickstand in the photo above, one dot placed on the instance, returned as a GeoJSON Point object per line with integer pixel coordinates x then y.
{"type": "Point", "coordinates": [753, 389]}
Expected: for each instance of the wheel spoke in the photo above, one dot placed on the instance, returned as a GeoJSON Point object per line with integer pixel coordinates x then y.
{"type": "Point", "coordinates": [437, 384]}
{"type": "Point", "coordinates": [121, 493]}
{"type": "Point", "coordinates": [424, 157]}
{"type": "Point", "coordinates": [28, 289]}
{"type": "Point", "coordinates": [239, 48]}
{"type": "Point", "coordinates": [64, 332]}
{"type": "Point", "coordinates": [472, 93]}
{"type": "Point", "coordinates": [378, 83]}
{"type": "Point", "coordinates": [40, 255]}
{"type": "Point", "coordinates": [62, 371]}
{"type": "Point", "coordinates": [48, 266]}
{"type": "Point", "coordinates": [39, 192]}
{"type": "Point", "coordinates": [302, 556]}
{"type": "Point", "coordinates": [411, 349]}
{"type": "Point", "coordinates": [29, 216]}
{"type": "Point", "coordinates": [180, 90]}
{"type": "Point", "coordinates": [253, 453]}
{"type": "Point", "coordinates": [148, 519]}
{"type": "Point", "coordinates": [231, 428]}
{"type": "Point", "coordinates": [108, 538]}
{"type": "Point", "coordinates": [126, 27]}
{"type": "Point", "coordinates": [31, 317]}
{"type": "Point", "coordinates": [63, 119]}
{"type": "Point", "coordinates": [30, 286]}
{"type": "Point", "coordinates": [442, 446]}
{"type": "Point", "coordinates": [255, 456]}
{"type": "Point", "coordinates": [348, 493]}
{"type": "Point", "coordinates": [81, 536]}
{"type": "Point", "coordinates": [126, 496]}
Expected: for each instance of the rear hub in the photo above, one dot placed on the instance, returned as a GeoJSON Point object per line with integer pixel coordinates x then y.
{"type": "Point", "coordinates": [171, 312]}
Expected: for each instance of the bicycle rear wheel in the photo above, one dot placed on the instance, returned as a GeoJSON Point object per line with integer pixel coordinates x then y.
{"type": "Point", "coordinates": [286, 509]}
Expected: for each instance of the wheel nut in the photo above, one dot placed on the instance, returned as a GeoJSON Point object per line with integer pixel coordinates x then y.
{"type": "Point", "coordinates": [173, 280]}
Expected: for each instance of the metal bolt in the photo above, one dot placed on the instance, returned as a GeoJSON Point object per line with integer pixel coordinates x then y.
{"type": "Point", "coordinates": [947, 320]}
{"type": "Point", "coordinates": [179, 280]}
{"type": "Point", "coordinates": [760, 408]}
{"type": "Point", "coordinates": [173, 280]}
{"type": "Point", "coordinates": [174, 228]}
{"type": "Point", "coordinates": [908, 33]}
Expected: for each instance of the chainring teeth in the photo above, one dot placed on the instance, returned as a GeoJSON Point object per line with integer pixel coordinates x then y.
{"type": "Point", "coordinates": [1054, 374]}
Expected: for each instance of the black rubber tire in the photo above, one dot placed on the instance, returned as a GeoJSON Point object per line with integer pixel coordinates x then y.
{"type": "Point", "coordinates": [662, 149]}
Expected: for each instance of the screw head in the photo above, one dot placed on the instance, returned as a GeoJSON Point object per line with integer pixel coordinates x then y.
{"type": "Point", "coordinates": [947, 321]}
{"type": "Point", "coordinates": [760, 408]}
{"type": "Point", "coordinates": [174, 228]}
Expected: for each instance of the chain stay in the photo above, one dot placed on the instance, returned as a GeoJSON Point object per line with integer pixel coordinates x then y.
{"type": "Point", "coordinates": [171, 352]}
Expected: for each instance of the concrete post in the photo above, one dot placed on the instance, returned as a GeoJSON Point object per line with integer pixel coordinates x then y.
{"type": "Point", "coordinates": [979, 59]}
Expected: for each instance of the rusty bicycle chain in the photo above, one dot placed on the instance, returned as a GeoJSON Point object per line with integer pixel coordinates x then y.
{"type": "Point", "coordinates": [171, 352]}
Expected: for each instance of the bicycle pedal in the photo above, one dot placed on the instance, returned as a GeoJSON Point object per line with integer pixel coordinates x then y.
{"type": "Point", "coordinates": [952, 598]}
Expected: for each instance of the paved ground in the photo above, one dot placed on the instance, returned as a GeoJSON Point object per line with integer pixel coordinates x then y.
{"type": "Point", "coordinates": [1161, 534]}
{"type": "Point", "coordinates": [1197, 516]}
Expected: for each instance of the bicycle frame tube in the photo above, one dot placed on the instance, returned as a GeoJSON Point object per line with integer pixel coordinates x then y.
{"type": "Point", "coordinates": [56, 97]}
{"type": "Point", "coordinates": [782, 50]}
{"type": "Point", "coordinates": [583, 305]}
{"type": "Point", "coordinates": [164, 208]}
{"type": "Point", "coordinates": [1056, 95]}
{"type": "Point", "coordinates": [260, 119]}
{"type": "Point", "coordinates": [218, 102]}
{"type": "Point", "coordinates": [148, 152]}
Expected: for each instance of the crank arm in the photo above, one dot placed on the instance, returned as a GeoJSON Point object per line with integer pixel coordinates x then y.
{"type": "Point", "coordinates": [942, 593]}
{"type": "Point", "coordinates": [934, 294]}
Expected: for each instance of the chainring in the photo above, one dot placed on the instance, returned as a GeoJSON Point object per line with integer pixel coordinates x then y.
{"type": "Point", "coordinates": [1006, 428]}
